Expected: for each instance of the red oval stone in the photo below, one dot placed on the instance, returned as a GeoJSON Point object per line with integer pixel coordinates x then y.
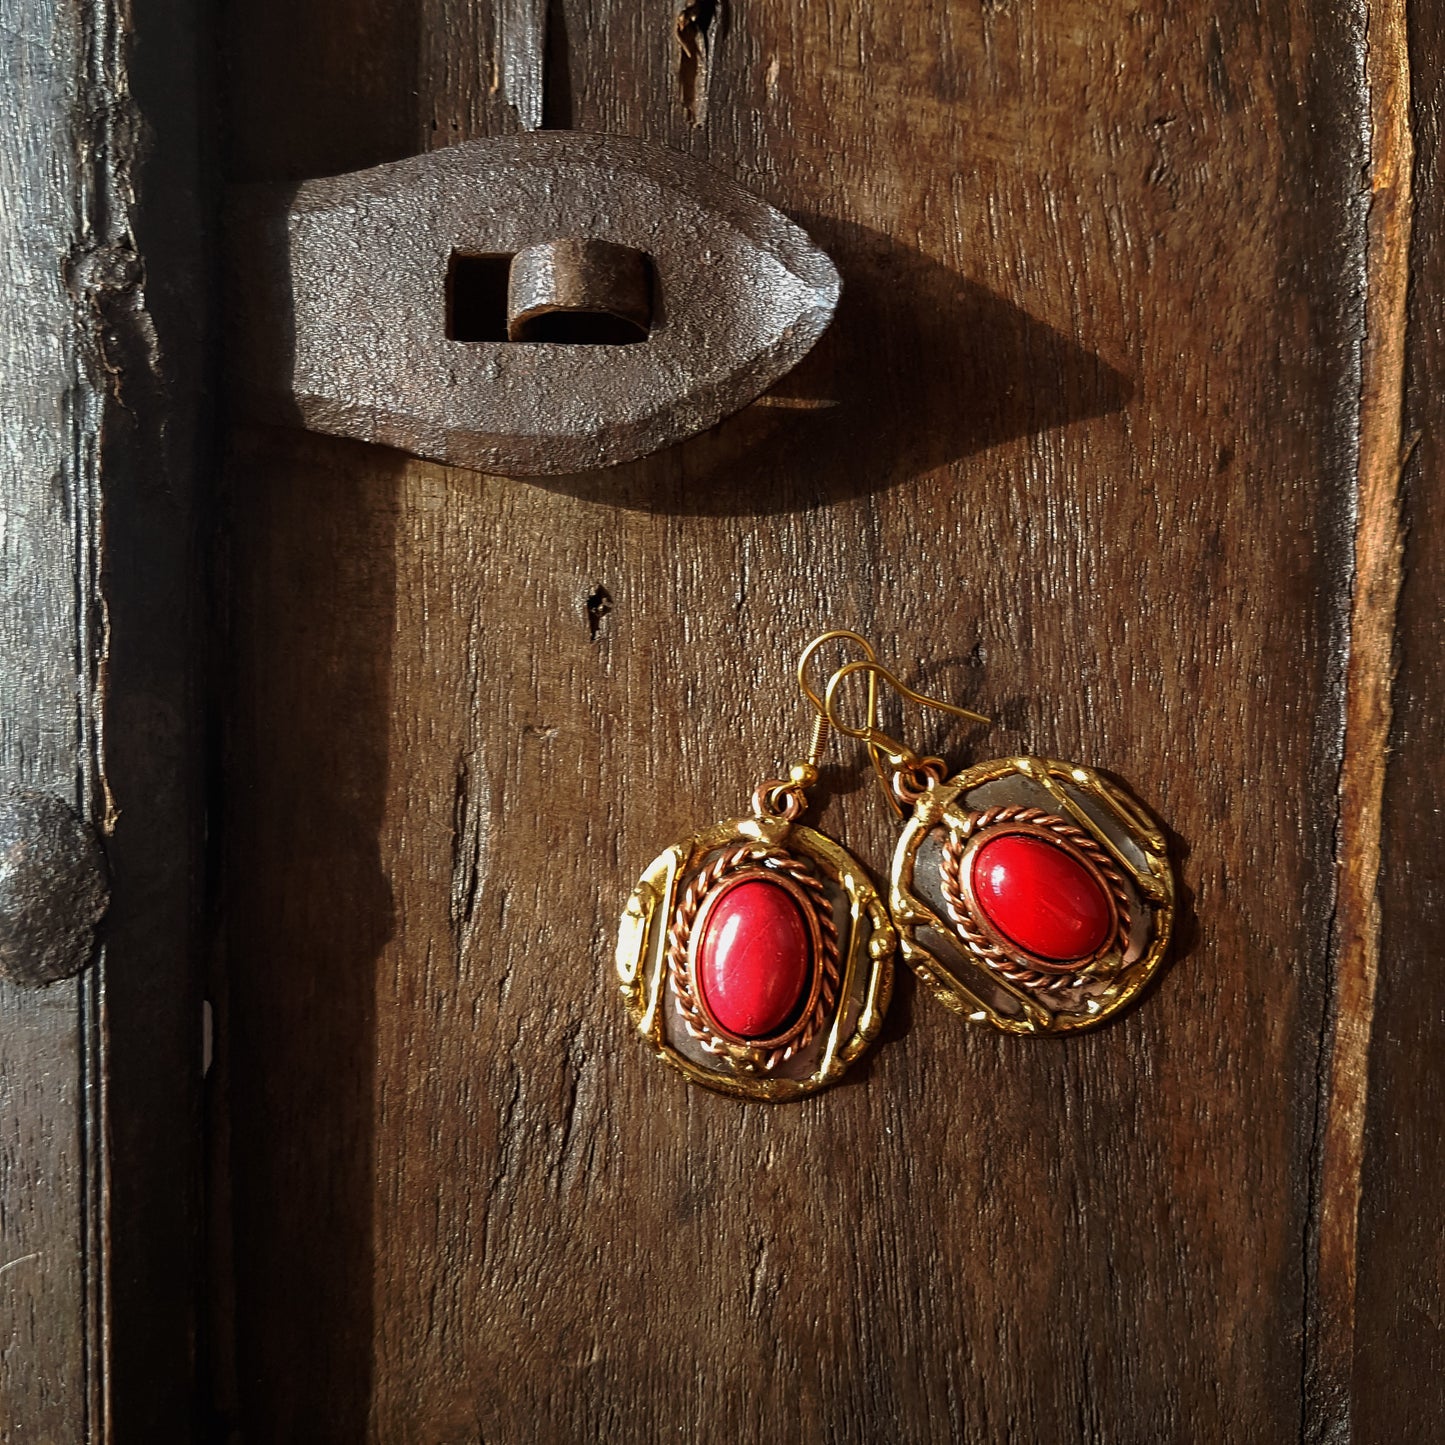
{"type": "Point", "coordinates": [1041, 898]}
{"type": "Point", "coordinates": [753, 959]}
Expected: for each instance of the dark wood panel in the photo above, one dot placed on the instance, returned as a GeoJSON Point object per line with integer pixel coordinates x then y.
{"type": "Point", "coordinates": [1087, 465]}
{"type": "Point", "coordinates": [157, 466]}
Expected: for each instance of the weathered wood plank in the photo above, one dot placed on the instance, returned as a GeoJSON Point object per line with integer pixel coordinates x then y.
{"type": "Point", "coordinates": [99, 1077]}
{"type": "Point", "coordinates": [1398, 1344]}
{"type": "Point", "coordinates": [1338, 1175]}
{"type": "Point", "coordinates": [1088, 466]}
{"type": "Point", "coordinates": [47, 537]}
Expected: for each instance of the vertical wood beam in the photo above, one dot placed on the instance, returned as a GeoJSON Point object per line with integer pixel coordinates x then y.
{"type": "Point", "coordinates": [101, 334]}
{"type": "Point", "coordinates": [1368, 712]}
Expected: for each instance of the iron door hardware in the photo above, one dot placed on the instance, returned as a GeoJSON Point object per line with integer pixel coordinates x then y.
{"type": "Point", "coordinates": [532, 304]}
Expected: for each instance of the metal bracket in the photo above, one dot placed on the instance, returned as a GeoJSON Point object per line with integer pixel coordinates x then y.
{"type": "Point", "coordinates": [532, 304]}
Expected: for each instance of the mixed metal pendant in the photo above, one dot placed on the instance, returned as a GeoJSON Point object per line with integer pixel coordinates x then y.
{"type": "Point", "coordinates": [1030, 894]}
{"type": "Point", "coordinates": [756, 956]}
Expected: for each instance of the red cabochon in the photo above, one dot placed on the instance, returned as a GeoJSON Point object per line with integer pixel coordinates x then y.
{"type": "Point", "coordinates": [754, 958]}
{"type": "Point", "coordinates": [1041, 898]}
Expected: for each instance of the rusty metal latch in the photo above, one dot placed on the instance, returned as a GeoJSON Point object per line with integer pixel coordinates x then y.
{"type": "Point", "coordinates": [532, 304]}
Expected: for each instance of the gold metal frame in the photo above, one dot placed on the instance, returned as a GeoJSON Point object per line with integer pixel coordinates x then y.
{"type": "Point", "coordinates": [643, 947]}
{"type": "Point", "coordinates": [1123, 978]}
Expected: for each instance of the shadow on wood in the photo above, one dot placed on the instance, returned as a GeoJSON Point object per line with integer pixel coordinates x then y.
{"type": "Point", "coordinates": [310, 912]}
{"type": "Point", "coordinates": [920, 368]}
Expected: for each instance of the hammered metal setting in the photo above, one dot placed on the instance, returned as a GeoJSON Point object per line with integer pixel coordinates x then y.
{"type": "Point", "coordinates": [852, 944]}
{"type": "Point", "coordinates": [960, 953]}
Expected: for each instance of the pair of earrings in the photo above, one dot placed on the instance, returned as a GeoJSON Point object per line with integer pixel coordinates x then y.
{"type": "Point", "coordinates": [1026, 893]}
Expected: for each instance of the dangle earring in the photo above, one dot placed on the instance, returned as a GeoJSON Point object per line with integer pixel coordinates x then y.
{"type": "Point", "coordinates": [1030, 894]}
{"type": "Point", "coordinates": [755, 956]}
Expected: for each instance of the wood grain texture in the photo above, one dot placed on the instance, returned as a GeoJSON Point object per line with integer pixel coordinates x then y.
{"type": "Point", "coordinates": [1083, 456]}
{"type": "Point", "coordinates": [1368, 700]}
{"type": "Point", "coordinates": [1398, 1356]}
{"type": "Point", "coordinates": [48, 1302]}
{"type": "Point", "coordinates": [99, 1076]}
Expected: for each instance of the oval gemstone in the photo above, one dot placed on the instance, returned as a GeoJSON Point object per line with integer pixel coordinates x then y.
{"type": "Point", "coordinates": [754, 958]}
{"type": "Point", "coordinates": [1041, 898]}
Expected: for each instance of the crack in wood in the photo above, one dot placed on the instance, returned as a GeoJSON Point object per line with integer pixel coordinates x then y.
{"type": "Point", "coordinates": [1336, 1176]}
{"type": "Point", "coordinates": [522, 58]}
{"type": "Point", "coordinates": [699, 23]}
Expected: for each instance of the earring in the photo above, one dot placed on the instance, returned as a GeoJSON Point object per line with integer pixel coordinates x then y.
{"type": "Point", "coordinates": [1030, 894]}
{"type": "Point", "coordinates": [755, 956]}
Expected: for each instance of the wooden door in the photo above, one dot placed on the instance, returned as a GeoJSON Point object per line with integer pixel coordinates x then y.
{"type": "Point", "coordinates": [1084, 447]}
{"type": "Point", "coordinates": [1123, 434]}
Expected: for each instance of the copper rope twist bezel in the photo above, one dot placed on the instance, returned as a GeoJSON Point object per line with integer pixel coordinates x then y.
{"type": "Point", "coordinates": [994, 955]}
{"type": "Point", "coordinates": [679, 937]}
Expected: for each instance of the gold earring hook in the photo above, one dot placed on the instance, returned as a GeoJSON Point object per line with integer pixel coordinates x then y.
{"type": "Point", "coordinates": [876, 670]}
{"type": "Point", "coordinates": [814, 645]}
{"type": "Point", "coordinates": [882, 748]}
{"type": "Point", "coordinates": [821, 723]}
{"type": "Point", "coordinates": [787, 797]}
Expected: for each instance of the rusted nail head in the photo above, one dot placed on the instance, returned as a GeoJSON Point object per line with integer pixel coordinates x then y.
{"type": "Point", "coordinates": [53, 889]}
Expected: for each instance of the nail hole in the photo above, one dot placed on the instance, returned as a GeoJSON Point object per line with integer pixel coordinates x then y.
{"type": "Point", "coordinates": [599, 604]}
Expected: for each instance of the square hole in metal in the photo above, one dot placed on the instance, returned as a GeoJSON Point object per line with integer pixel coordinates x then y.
{"type": "Point", "coordinates": [477, 297]}
{"type": "Point", "coordinates": [478, 301]}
